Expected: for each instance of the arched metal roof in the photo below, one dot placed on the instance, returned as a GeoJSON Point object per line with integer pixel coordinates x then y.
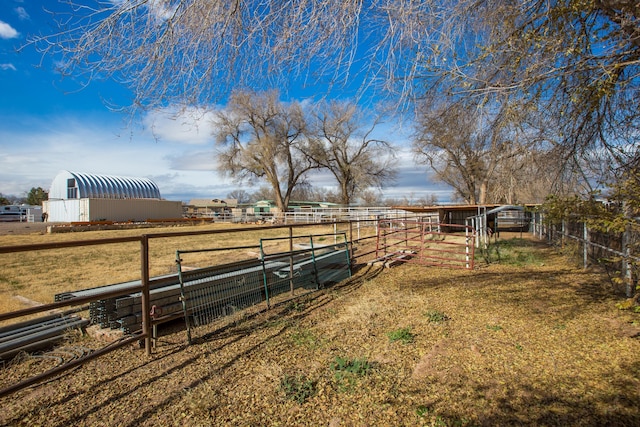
{"type": "Point", "coordinates": [71, 185]}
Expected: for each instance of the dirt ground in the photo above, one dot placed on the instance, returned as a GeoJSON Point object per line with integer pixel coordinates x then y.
{"type": "Point", "coordinates": [537, 343]}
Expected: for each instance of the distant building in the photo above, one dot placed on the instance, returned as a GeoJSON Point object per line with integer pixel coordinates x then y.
{"type": "Point", "coordinates": [83, 197]}
{"type": "Point", "coordinates": [270, 207]}
{"type": "Point", "coordinates": [210, 207]}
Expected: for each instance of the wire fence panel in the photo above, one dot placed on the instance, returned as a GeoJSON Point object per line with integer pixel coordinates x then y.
{"type": "Point", "coordinates": [611, 250]}
{"type": "Point", "coordinates": [314, 264]}
{"type": "Point", "coordinates": [224, 294]}
{"type": "Point", "coordinates": [211, 293]}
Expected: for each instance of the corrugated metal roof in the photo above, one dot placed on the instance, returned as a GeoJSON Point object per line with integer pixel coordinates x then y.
{"type": "Point", "coordinates": [94, 186]}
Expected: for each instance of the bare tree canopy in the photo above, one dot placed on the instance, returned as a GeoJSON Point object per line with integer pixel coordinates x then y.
{"type": "Point", "coordinates": [261, 137]}
{"type": "Point", "coordinates": [344, 145]}
{"type": "Point", "coordinates": [466, 145]}
{"type": "Point", "coordinates": [574, 64]}
{"type": "Point", "coordinates": [195, 50]}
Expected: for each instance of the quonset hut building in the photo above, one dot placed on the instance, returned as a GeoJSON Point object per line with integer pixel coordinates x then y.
{"type": "Point", "coordinates": [81, 197]}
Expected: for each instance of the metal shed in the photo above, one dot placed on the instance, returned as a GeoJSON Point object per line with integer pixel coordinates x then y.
{"type": "Point", "coordinates": [79, 197]}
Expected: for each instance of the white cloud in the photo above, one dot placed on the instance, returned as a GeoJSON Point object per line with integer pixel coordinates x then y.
{"type": "Point", "coordinates": [181, 125]}
{"type": "Point", "coordinates": [40, 150]}
{"type": "Point", "coordinates": [37, 149]}
{"type": "Point", "coordinates": [161, 9]}
{"type": "Point", "coordinates": [9, 66]}
{"type": "Point", "coordinates": [193, 160]}
{"type": "Point", "coordinates": [7, 31]}
{"type": "Point", "coordinates": [21, 12]}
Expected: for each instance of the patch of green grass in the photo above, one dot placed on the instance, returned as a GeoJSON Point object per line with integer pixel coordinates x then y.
{"type": "Point", "coordinates": [359, 367]}
{"type": "Point", "coordinates": [295, 306]}
{"type": "Point", "coordinates": [494, 328]}
{"type": "Point", "coordinates": [516, 252]}
{"type": "Point", "coordinates": [13, 284]}
{"type": "Point", "coordinates": [305, 338]}
{"type": "Point", "coordinates": [403, 334]}
{"type": "Point", "coordinates": [346, 371]}
{"type": "Point", "coordinates": [297, 387]}
{"type": "Point", "coordinates": [422, 411]}
{"type": "Point", "coordinates": [435, 316]}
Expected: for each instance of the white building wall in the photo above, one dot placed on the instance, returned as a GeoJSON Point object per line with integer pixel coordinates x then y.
{"type": "Point", "coordinates": [62, 210]}
{"type": "Point", "coordinates": [81, 210]}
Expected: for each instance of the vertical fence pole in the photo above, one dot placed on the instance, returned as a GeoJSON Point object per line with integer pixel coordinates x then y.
{"type": "Point", "coordinates": [533, 223]}
{"type": "Point", "coordinates": [540, 226]}
{"type": "Point", "coordinates": [466, 246]}
{"type": "Point", "coordinates": [264, 275]}
{"type": "Point", "coordinates": [626, 265]}
{"type": "Point", "coordinates": [585, 247]}
{"type": "Point", "coordinates": [144, 278]}
{"type": "Point", "coordinates": [291, 260]}
{"type": "Point", "coordinates": [313, 261]}
{"type": "Point", "coordinates": [183, 297]}
{"type": "Point", "coordinates": [350, 242]}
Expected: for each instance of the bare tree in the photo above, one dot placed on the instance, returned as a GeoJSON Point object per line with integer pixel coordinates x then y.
{"type": "Point", "coordinates": [242, 196]}
{"type": "Point", "coordinates": [263, 193]}
{"type": "Point", "coordinates": [464, 144]}
{"type": "Point", "coordinates": [194, 52]}
{"type": "Point", "coordinates": [344, 145]}
{"type": "Point", "coordinates": [371, 198]}
{"type": "Point", "coordinates": [263, 138]}
{"type": "Point", "coordinates": [575, 64]}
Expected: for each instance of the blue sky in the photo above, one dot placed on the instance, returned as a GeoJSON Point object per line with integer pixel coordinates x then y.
{"type": "Point", "coordinates": [47, 125]}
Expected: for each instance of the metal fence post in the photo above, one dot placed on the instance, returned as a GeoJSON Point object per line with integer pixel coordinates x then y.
{"type": "Point", "coordinates": [626, 264]}
{"type": "Point", "coordinates": [291, 284]}
{"type": "Point", "coordinates": [350, 244]}
{"type": "Point", "coordinates": [144, 278]}
{"type": "Point", "coordinates": [585, 250]}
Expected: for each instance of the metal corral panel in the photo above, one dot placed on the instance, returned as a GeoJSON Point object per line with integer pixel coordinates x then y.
{"type": "Point", "coordinates": [112, 210]}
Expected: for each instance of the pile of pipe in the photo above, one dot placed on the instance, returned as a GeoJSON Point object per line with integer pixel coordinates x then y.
{"type": "Point", "coordinates": [37, 334]}
{"type": "Point", "coordinates": [211, 292]}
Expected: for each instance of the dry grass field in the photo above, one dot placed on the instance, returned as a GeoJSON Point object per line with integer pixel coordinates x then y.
{"type": "Point", "coordinates": [531, 340]}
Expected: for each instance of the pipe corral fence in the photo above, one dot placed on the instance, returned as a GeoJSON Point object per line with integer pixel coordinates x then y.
{"type": "Point", "coordinates": [288, 265]}
{"type": "Point", "coordinates": [425, 243]}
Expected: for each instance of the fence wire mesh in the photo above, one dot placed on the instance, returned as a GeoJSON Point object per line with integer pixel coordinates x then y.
{"type": "Point", "coordinates": [211, 293]}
